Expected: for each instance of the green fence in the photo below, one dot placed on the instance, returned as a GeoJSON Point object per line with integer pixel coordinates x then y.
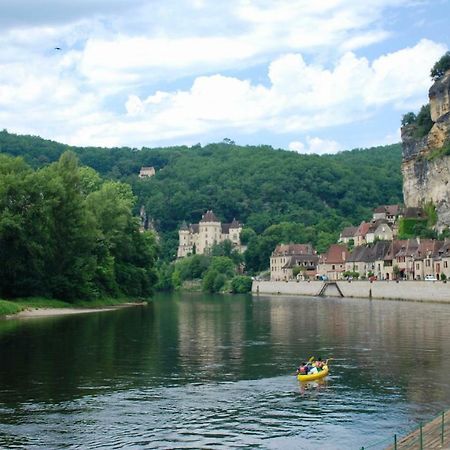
{"type": "Point", "coordinates": [431, 435]}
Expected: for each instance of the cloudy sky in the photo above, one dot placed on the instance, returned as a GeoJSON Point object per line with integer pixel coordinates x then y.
{"type": "Point", "coordinates": [309, 76]}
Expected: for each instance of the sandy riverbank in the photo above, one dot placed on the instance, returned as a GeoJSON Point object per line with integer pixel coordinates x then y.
{"type": "Point", "coordinates": [48, 312]}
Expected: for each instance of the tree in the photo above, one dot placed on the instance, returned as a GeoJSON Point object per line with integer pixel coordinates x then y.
{"type": "Point", "coordinates": [409, 119]}
{"type": "Point", "coordinates": [440, 67]}
{"type": "Point", "coordinates": [241, 284]}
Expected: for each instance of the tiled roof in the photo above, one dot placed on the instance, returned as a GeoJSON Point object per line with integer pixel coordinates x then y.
{"type": "Point", "coordinates": [371, 253]}
{"type": "Point", "coordinates": [414, 213]}
{"type": "Point", "coordinates": [294, 261]}
{"type": "Point", "coordinates": [336, 254]}
{"type": "Point", "coordinates": [235, 224]}
{"type": "Point", "coordinates": [293, 249]}
{"type": "Point", "coordinates": [348, 232]}
{"type": "Point", "coordinates": [363, 229]}
{"type": "Point", "coordinates": [194, 227]}
{"type": "Point", "coordinates": [209, 216]}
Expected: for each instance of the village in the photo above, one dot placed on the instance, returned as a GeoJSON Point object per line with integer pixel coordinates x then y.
{"type": "Point", "coordinates": [371, 251]}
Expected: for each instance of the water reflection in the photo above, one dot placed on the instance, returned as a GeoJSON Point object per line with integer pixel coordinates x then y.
{"type": "Point", "coordinates": [219, 371]}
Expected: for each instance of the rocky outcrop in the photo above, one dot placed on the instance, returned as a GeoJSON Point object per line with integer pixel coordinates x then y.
{"type": "Point", "coordinates": [426, 176]}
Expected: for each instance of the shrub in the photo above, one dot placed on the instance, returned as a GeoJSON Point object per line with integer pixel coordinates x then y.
{"type": "Point", "coordinates": [241, 284]}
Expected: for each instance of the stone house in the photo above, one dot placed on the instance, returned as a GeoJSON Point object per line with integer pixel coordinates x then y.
{"type": "Point", "coordinates": [442, 261]}
{"type": "Point", "coordinates": [368, 259]}
{"type": "Point", "coordinates": [347, 235]}
{"type": "Point", "coordinates": [332, 263]}
{"type": "Point", "coordinates": [146, 172]}
{"type": "Point", "coordinates": [199, 238]}
{"type": "Point", "coordinates": [361, 232]}
{"type": "Point", "coordinates": [379, 230]}
{"type": "Point", "coordinates": [389, 213]}
{"type": "Point", "coordinates": [286, 257]}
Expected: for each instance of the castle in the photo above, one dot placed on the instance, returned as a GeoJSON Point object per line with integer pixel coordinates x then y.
{"type": "Point", "coordinates": [199, 238]}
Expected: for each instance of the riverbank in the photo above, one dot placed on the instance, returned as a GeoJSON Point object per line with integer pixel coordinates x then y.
{"type": "Point", "coordinates": [42, 307]}
{"type": "Point", "coordinates": [420, 291]}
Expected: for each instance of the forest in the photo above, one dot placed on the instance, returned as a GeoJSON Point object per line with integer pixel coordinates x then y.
{"type": "Point", "coordinates": [279, 195]}
{"type": "Point", "coordinates": [67, 233]}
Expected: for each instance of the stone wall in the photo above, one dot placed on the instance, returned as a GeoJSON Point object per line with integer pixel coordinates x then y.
{"type": "Point", "coordinates": [426, 291]}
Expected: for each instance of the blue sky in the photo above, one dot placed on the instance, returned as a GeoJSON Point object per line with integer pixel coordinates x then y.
{"type": "Point", "coordinates": [309, 76]}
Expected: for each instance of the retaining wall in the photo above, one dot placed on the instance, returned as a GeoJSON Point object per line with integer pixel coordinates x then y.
{"type": "Point", "coordinates": [434, 291]}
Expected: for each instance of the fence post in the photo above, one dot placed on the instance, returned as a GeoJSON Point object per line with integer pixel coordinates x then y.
{"type": "Point", "coordinates": [395, 442]}
{"type": "Point", "coordinates": [421, 437]}
{"type": "Point", "coordinates": [442, 428]}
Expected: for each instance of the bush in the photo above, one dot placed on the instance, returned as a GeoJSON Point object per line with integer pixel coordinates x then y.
{"type": "Point", "coordinates": [241, 284]}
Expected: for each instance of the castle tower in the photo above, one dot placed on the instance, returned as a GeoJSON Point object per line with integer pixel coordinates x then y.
{"type": "Point", "coordinates": [185, 241]}
{"type": "Point", "coordinates": [210, 232]}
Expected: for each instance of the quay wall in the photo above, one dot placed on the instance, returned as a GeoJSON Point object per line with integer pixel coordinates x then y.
{"type": "Point", "coordinates": [425, 291]}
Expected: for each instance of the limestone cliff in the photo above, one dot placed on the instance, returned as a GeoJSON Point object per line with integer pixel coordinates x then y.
{"type": "Point", "coordinates": [426, 174]}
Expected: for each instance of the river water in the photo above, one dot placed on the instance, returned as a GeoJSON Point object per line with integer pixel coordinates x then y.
{"type": "Point", "coordinates": [195, 371]}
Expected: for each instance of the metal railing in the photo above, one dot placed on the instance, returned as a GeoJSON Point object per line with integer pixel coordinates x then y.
{"type": "Point", "coordinates": [425, 436]}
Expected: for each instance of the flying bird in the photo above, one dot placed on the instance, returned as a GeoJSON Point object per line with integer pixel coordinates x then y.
{"type": "Point", "coordinates": [57, 48]}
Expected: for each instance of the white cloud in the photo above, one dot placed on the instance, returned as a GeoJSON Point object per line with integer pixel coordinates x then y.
{"type": "Point", "coordinates": [315, 145]}
{"type": "Point", "coordinates": [103, 88]}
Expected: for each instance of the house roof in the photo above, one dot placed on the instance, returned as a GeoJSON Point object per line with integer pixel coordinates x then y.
{"type": "Point", "coordinates": [235, 224]}
{"type": "Point", "coordinates": [370, 253]}
{"type": "Point", "coordinates": [293, 261]}
{"type": "Point", "coordinates": [209, 216]}
{"type": "Point", "coordinates": [348, 232]}
{"type": "Point", "coordinates": [336, 254]}
{"type": "Point", "coordinates": [293, 249]}
{"type": "Point", "coordinates": [184, 226]}
{"type": "Point", "coordinates": [363, 229]}
{"type": "Point", "coordinates": [391, 210]}
{"type": "Point", "coordinates": [194, 227]}
{"type": "Point", "coordinates": [414, 213]}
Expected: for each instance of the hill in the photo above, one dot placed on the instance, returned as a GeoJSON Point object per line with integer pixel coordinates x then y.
{"type": "Point", "coordinates": [258, 185]}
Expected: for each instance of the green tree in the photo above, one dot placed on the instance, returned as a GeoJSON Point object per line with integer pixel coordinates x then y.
{"type": "Point", "coordinates": [241, 284]}
{"type": "Point", "coordinates": [441, 66]}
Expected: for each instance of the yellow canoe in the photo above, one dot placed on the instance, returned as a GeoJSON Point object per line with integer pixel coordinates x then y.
{"type": "Point", "coordinates": [314, 376]}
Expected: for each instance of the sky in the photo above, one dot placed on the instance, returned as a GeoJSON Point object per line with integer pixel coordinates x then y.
{"type": "Point", "coordinates": [301, 75]}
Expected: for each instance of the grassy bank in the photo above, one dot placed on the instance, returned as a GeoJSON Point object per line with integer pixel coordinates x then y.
{"type": "Point", "coordinates": [8, 307]}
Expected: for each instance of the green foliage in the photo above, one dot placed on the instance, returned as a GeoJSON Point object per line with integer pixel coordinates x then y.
{"type": "Point", "coordinates": [441, 67]}
{"type": "Point", "coordinates": [422, 123]}
{"type": "Point", "coordinates": [209, 284]}
{"type": "Point", "coordinates": [351, 274]}
{"type": "Point", "coordinates": [7, 308]}
{"type": "Point", "coordinates": [431, 213]}
{"type": "Point", "coordinates": [258, 185]}
{"type": "Point", "coordinates": [66, 234]}
{"type": "Point", "coordinates": [443, 277]}
{"type": "Point", "coordinates": [241, 284]}
{"type": "Point", "coordinates": [409, 119]}
{"type": "Point", "coordinates": [223, 265]}
{"type": "Point", "coordinates": [439, 152]}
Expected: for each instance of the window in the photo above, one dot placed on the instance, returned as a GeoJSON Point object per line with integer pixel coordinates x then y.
{"type": "Point", "coordinates": [428, 263]}
{"type": "Point", "coordinates": [333, 267]}
{"type": "Point", "coordinates": [445, 264]}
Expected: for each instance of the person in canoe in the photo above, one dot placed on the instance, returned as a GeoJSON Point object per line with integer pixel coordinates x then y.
{"type": "Point", "coordinates": [302, 369]}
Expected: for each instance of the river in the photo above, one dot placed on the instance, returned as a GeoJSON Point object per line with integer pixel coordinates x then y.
{"type": "Point", "coordinates": [205, 371]}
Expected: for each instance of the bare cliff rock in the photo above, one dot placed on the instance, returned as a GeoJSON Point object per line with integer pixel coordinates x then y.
{"type": "Point", "coordinates": [426, 173]}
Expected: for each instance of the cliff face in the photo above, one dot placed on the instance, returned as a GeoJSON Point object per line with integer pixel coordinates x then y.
{"type": "Point", "coordinates": [427, 179]}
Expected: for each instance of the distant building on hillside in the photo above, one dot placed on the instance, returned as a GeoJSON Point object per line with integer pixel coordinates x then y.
{"type": "Point", "coordinates": [146, 172]}
{"type": "Point", "coordinates": [390, 213]}
{"type": "Point", "coordinates": [287, 258]}
{"type": "Point", "coordinates": [199, 238]}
